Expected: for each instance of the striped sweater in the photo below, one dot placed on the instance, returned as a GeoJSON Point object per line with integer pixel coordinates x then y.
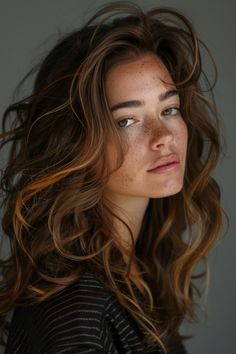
{"type": "Point", "coordinates": [83, 318]}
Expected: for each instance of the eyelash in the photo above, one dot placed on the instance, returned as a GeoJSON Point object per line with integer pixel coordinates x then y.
{"type": "Point", "coordinates": [166, 110]}
{"type": "Point", "coordinates": [176, 108]}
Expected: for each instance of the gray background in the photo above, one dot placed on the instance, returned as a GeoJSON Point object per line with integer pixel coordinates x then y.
{"type": "Point", "coordinates": [29, 27]}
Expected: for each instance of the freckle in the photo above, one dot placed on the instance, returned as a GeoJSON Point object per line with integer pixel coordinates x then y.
{"type": "Point", "coordinates": [125, 179]}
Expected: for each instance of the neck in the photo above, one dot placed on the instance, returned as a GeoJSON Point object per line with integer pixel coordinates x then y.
{"type": "Point", "coordinates": [131, 210]}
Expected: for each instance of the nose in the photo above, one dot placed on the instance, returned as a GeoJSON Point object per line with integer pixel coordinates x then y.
{"type": "Point", "coordinates": [161, 136]}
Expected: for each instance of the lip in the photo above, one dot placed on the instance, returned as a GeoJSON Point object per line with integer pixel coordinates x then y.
{"type": "Point", "coordinates": [165, 163]}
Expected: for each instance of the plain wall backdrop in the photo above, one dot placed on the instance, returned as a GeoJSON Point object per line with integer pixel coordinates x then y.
{"type": "Point", "coordinates": [28, 28]}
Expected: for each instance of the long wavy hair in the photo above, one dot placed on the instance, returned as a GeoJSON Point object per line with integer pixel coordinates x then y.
{"type": "Point", "coordinates": [55, 216]}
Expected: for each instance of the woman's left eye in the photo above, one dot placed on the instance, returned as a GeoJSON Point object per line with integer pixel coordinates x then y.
{"type": "Point", "coordinates": [172, 111]}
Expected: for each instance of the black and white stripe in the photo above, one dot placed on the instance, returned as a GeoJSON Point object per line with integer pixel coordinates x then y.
{"type": "Point", "coordinates": [83, 318]}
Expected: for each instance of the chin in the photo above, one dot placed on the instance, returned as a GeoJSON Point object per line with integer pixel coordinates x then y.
{"type": "Point", "coordinates": [167, 192]}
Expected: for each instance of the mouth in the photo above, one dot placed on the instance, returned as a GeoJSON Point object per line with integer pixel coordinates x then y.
{"type": "Point", "coordinates": [168, 163]}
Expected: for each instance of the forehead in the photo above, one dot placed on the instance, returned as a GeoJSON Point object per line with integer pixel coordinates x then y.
{"type": "Point", "coordinates": [133, 75]}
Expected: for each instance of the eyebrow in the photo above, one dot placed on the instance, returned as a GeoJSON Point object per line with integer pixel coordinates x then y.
{"type": "Point", "coordinates": [136, 103]}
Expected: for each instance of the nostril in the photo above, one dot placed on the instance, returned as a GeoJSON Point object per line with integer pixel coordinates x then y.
{"type": "Point", "coordinates": [161, 144]}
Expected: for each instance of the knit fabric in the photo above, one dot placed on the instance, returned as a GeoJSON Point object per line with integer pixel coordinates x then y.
{"type": "Point", "coordinates": [83, 318]}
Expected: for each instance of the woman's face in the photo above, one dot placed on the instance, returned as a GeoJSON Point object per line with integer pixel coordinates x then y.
{"type": "Point", "coordinates": [146, 111]}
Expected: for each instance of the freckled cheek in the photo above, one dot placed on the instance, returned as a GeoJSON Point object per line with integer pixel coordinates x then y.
{"type": "Point", "coordinates": [182, 140]}
{"type": "Point", "coordinates": [132, 162]}
{"type": "Point", "coordinates": [130, 167]}
{"type": "Point", "coordinates": [122, 178]}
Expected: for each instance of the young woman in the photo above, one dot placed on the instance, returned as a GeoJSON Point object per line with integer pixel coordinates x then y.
{"type": "Point", "coordinates": [109, 202]}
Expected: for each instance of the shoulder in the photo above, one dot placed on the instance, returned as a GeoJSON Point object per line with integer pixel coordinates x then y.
{"type": "Point", "coordinates": [79, 303]}
{"type": "Point", "coordinates": [83, 318]}
{"type": "Point", "coordinates": [75, 315]}
{"type": "Point", "coordinates": [88, 294]}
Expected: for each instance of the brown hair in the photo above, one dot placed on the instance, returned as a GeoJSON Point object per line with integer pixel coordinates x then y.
{"type": "Point", "coordinates": [55, 216]}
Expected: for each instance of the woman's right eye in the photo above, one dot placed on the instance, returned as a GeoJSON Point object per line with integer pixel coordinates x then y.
{"type": "Point", "coordinates": [122, 123]}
